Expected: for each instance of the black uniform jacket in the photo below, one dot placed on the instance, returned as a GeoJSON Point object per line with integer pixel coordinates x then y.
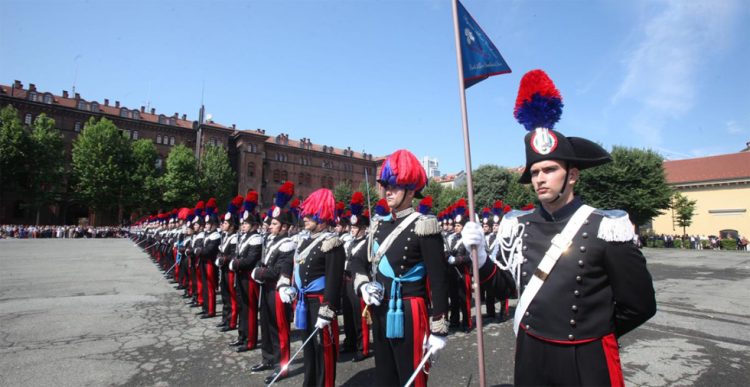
{"type": "Point", "coordinates": [411, 248]}
{"type": "Point", "coordinates": [211, 247]}
{"type": "Point", "coordinates": [597, 286]}
{"type": "Point", "coordinates": [278, 260]}
{"type": "Point", "coordinates": [325, 259]}
{"type": "Point", "coordinates": [249, 251]}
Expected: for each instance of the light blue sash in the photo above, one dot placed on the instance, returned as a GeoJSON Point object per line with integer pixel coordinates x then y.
{"type": "Point", "coordinates": [300, 320]}
{"type": "Point", "coordinates": [394, 327]}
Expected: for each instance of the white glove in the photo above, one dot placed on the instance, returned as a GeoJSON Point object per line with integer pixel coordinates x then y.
{"type": "Point", "coordinates": [435, 343]}
{"type": "Point", "coordinates": [233, 265]}
{"type": "Point", "coordinates": [472, 235]}
{"type": "Point", "coordinates": [451, 260]}
{"type": "Point", "coordinates": [286, 294]}
{"type": "Point", "coordinates": [321, 323]}
{"type": "Point", "coordinates": [370, 294]}
{"type": "Point", "coordinates": [217, 263]}
{"type": "Point", "coordinates": [255, 274]}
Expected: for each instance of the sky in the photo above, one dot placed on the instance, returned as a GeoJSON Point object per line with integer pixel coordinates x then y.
{"type": "Point", "coordinates": [671, 76]}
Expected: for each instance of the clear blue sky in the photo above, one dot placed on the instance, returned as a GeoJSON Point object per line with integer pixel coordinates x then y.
{"type": "Point", "coordinates": [381, 75]}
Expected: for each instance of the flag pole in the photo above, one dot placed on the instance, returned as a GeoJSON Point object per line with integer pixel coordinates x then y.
{"type": "Point", "coordinates": [470, 194]}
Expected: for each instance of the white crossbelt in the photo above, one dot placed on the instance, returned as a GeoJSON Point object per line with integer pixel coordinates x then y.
{"type": "Point", "coordinates": [560, 243]}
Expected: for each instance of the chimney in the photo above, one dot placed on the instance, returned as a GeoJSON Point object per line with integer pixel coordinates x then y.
{"type": "Point", "coordinates": [117, 104]}
{"type": "Point", "coordinates": [32, 87]}
{"type": "Point", "coordinates": [153, 110]}
{"type": "Point", "coordinates": [143, 109]}
{"type": "Point", "coordinates": [106, 101]}
{"type": "Point", "coordinates": [78, 96]}
{"type": "Point", "coordinates": [234, 126]}
{"type": "Point", "coordinates": [17, 84]}
{"type": "Point", "coordinates": [184, 117]}
{"type": "Point", "coordinates": [65, 94]}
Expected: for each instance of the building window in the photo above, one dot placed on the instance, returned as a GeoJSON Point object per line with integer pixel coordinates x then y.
{"type": "Point", "coordinates": [32, 96]}
{"type": "Point", "coordinates": [136, 114]}
{"type": "Point", "coordinates": [82, 105]}
{"type": "Point", "coordinates": [171, 141]}
{"type": "Point", "coordinates": [158, 139]}
{"type": "Point", "coordinates": [252, 148]}
{"type": "Point", "coordinates": [77, 126]}
{"type": "Point", "coordinates": [124, 113]}
{"type": "Point", "coordinates": [94, 107]}
{"type": "Point", "coordinates": [135, 135]}
{"type": "Point", "coordinates": [172, 121]}
{"type": "Point", "coordinates": [27, 119]}
{"type": "Point", "coordinates": [126, 133]}
{"type": "Point", "coordinates": [48, 98]}
{"type": "Point", "coordinates": [158, 163]}
{"type": "Point", "coordinates": [250, 169]}
{"type": "Point", "coordinates": [301, 179]}
{"type": "Point", "coordinates": [284, 176]}
{"type": "Point", "coordinates": [276, 175]}
{"type": "Point", "coordinates": [162, 119]}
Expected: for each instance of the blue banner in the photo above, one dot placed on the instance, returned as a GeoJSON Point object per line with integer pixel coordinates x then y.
{"type": "Point", "coordinates": [480, 58]}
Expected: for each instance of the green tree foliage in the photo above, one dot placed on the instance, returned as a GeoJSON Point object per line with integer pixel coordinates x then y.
{"type": "Point", "coordinates": [684, 209]}
{"type": "Point", "coordinates": [101, 159]}
{"type": "Point", "coordinates": [435, 190]}
{"type": "Point", "coordinates": [492, 183]}
{"type": "Point", "coordinates": [373, 193]}
{"type": "Point", "coordinates": [145, 190]}
{"type": "Point", "coordinates": [13, 148]}
{"type": "Point", "coordinates": [343, 192]}
{"type": "Point", "coordinates": [45, 174]}
{"type": "Point", "coordinates": [449, 196]}
{"type": "Point", "coordinates": [634, 182]}
{"type": "Point", "coordinates": [180, 182]}
{"type": "Point", "coordinates": [217, 177]}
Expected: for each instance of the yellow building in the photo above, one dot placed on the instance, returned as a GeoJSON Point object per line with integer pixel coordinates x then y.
{"type": "Point", "coordinates": [720, 185]}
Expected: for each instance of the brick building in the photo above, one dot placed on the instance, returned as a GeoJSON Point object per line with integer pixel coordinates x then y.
{"type": "Point", "coordinates": [260, 161]}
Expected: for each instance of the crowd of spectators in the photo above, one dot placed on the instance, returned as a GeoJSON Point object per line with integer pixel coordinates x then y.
{"type": "Point", "coordinates": [694, 242]}
{"type": "Point", "coordinates": [24, 231]}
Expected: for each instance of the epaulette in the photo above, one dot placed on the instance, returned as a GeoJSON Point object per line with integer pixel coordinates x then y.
{"type": "Point", "coordinates": [214, 236]}
{"type": "Point", "coordinates": [427, 225]}
{"type": "Point", "coordinates": [255, 240]}
{"type": "Point", "coordinates": [615, 226]}
{"type": "Point", "coordinates": [330, 243]}
{"type": "Point", "coordinates": [510, 221]}
{"type": "Point", "coordinates": [233, 239]}
{"type": "Point", "coordinates": [287, 245]}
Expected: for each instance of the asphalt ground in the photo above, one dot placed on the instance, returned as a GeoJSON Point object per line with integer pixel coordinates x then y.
{"type": "Point", "coordinates": [97, 312]}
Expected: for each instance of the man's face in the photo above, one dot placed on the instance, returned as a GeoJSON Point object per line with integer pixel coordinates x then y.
{"type": "Point", "coordinates": [275, 227]}
{"type": "Point", "coordinates": [245, 227]}
{"type": "Point", "coordinates": [458, 227]}
{"type": "Point", "coordinates": [339, 228]}
{"type": "Point", "coordinates": [495, 227]}
{"type": "Point", "coordinates": [397, 197]}
{"type": "Point", "coordinates": [548, 178]}
{"type": "Point", "coordinates": [197, 227]}
{"type": "Point", "coordinates": [486, 228]}
{"type": "Point", "coordinates": [310, 224]}
{"type": "Point", "coordinates": [225, 226]}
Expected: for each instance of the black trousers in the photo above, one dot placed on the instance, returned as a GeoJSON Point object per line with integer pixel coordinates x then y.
{"type": "Point", "coordinates": [274, 326]}
{"type": "Point", "coordinates": [544, 363]}
{"type": "Point", "coordinates": [247, 303]}
{"type": "Point", "coordinates": [321, 353]}
{"type": "Point", "coordinates": [356, 330]}
{"type": "Point", "coordinates": [396, 359]}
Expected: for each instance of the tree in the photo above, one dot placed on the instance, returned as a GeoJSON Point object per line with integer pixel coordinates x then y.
{"type": "Point", "coordinates": [180, 182]}
{"type": "Point", "coordinates": [449, 196]}
{"type": "Point", "coordinates": [101, 158]}
{"type": "Point", "coordinates": [216, 176]}
{"type": "Point", "coordinates": [374, 195]}
{"type": "Point", "coordinates": [343, 192]}
{"type": "Point", "coordinates": [45, 173]}
{"type": "Point", "coordinates": [634, 182]}
{"type": "Point", "coordinates": [145, 192]}
{"type": "Point", "coordinates": [492, 183]}
{"type": "Point", "coordinates": [684, 209]}
{"type": "Point", "coordinates": [435, 190]}
{"type": "Point", "coordinates": [13, 148]}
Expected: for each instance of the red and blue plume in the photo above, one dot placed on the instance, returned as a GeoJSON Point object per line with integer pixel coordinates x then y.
{"type": "Point", "coordinates": [403, 169]}
{"type": "Point", "coordinates": [199, 208]}
{"type": "Point", "coordinates": [527, 207]}
{"type": "Point", "coordinates": [284, 194]}
{"type": "Point", "coordinates": [485, 212]}
{"type": "Point", "coordinates": [320, 206]}
{"type": "Point", "coordinates": [425, 205]}
{"type": "Point", "coordinates": [460, 207]}
{"type": "Point", "coordinates": [294, 207]}
{"type": "Point", "coordinates": [507, 209]}
{"type": "Point", "coordinates": [382, 208]}
{"type": "Point", "coordinates": [251, 201]}
{"type": "Point", "coordinates": [184, 213]}
{"type": "Point", "coordinates": [211, 206]}
{"type": "Point", "coordinates": [340, 208]}
{"type": "Point", "coordinates": [366, 213]}
{"type": "Point", "coordinates": [497, 208]}
{"type": "Point", "coordinates": [357, 203]}
{"type": "Point", "coordinates": [539, 104]}
{"type": "Point", "coordinates": [234, 205]}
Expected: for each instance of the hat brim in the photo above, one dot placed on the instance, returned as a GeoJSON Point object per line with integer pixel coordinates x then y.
{"type": "Point", "coordinates": [588, 154]}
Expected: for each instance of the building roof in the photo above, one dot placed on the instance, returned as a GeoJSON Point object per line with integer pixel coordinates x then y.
{"type": "Point", "coordinates": [718, 168]}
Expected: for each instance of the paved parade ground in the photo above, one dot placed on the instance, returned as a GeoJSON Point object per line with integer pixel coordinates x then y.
{"type": "Point", "coordinates": [96, 312]}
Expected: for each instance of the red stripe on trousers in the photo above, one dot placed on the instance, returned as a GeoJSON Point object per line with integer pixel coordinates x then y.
{"type": "Point", "coordinates": [283, 327]}
{"type": "Point", "coordinates": [330, 347]}
{"type": "Point", "coordinates": [612, 353]}
{"type": "Point", "coordinates": [252, 312]}
{"type": "Point", "coordinates": [467, 285]}
{"type": "Point", "coordinates": [232, 300]}
{"type": "Point", "coordinates": [365, 330]}
{"type": "Point", "coordinates": [211, 283]}
{"type": "Point", "coordinates": [419, 328]}
{"type": "Point", "coordinates": [199, 285]}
